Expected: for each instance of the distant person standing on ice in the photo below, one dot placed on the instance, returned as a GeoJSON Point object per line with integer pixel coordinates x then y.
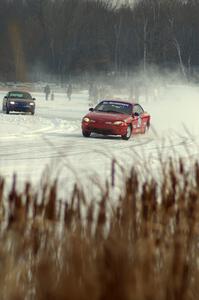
{"type": "Point", "coordinates": [69, 91]}
{"type": "Point", "coordinates": [90, 94]}
{"type": "Point", "coordinates": [52, 96]}
{"type": "Point", "coordinates": [47, 91]}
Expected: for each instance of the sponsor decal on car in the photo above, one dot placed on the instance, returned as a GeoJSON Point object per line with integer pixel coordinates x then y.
{"type": "Point", "coordinates": [118, 103]}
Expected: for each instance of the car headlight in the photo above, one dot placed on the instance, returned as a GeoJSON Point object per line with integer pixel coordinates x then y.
{"type": "Point", "coordinates": [12, 102]}
{"type": "Point", "coordinates": [87, 120]}
{"type": "Point", "coordinates": [32, 103]}
{"type": "Point", "coordinates": [118, 123]}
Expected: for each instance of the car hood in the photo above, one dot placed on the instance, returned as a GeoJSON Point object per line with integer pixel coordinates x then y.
{"type": "Point", "coordinates": [20, 100]}
{"type": "Point", "coordinates": [102, 116]}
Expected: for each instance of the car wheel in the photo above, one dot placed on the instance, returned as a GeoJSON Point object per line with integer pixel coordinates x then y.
{"type": "Point", "coordinates": [32, 112]}
{"type": "Point", "coordinates": [86, 133]}
{"type": "Point", "coordinates": [7, 111]}
{"type": "Point", "coordinates": [146, 128]}
{"type": "Point", "coordinates": [128, 133]}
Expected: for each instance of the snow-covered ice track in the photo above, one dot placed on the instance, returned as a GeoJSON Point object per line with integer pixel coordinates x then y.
{"type": "Point", "coordinates": [53, 137]}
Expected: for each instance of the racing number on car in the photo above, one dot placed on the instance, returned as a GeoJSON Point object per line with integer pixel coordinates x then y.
{"type": "Point", "coordinates": [139, 121]}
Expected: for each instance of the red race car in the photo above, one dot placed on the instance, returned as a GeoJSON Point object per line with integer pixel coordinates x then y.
{"type": "Point", "coordinates": [116, 117]}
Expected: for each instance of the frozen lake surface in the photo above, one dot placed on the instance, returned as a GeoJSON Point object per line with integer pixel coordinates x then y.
{"type": "Point", "coordinates": [50, 144]}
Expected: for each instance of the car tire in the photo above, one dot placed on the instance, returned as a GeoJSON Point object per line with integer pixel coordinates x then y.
{"type": "Point", "coordinates": [128, 133]}
{"type": "Point", "coordinates": [86, 133]}
{"type": "Point", "coordinates": [32, 112]}
{"type": "Point", "coordinates": [146, 128]}
{"type": "Point", "coordinates": [7, 111]}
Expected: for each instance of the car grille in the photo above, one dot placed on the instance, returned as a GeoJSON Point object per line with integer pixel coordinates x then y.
{"type": "Point", "coordinates": [23, 103]}
{"type": "Point", "coordinates": [102, 130]}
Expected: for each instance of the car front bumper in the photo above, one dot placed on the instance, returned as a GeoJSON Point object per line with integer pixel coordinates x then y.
{"type": "Point", "coordinates": [21, 108]}
{"type": "Point", "coordinates": [107, 129]}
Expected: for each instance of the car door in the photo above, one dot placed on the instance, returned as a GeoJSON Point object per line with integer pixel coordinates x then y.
{"type": "Point", "coordinates": [139, 123]}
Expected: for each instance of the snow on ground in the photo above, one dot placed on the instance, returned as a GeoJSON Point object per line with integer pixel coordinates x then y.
{"type": "Point", "coordinates": [50, 143]}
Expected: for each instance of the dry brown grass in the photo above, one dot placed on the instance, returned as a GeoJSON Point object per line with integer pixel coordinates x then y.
{"type": "Point", "coordinates": [150, 250]}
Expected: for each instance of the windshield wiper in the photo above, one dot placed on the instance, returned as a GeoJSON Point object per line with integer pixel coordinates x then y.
{"type": "Point", "coordinates": [113, 111]}
{"type": "Point", "coordinates": [110, 111]}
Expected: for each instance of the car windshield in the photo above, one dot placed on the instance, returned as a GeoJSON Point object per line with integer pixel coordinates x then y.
{"type": "Point", "coordinates": [19, 95]}
{"type": "Point", "coordinates": [114, 107]}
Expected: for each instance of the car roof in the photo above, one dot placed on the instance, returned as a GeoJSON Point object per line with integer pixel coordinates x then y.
{"type": "Point", "coordinates": [19, 91]}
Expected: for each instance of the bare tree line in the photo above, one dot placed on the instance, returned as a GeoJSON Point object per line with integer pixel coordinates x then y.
{"type": "Point", "coordinates": [68, 37]}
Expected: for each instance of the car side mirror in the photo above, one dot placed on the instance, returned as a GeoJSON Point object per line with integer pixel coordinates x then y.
{"type": "Point", "coordinates": [34, 99]}
{"type": "Point", "coordinates": [6, 97]}
{"type": "Point", "coordinates": [91, 109]}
